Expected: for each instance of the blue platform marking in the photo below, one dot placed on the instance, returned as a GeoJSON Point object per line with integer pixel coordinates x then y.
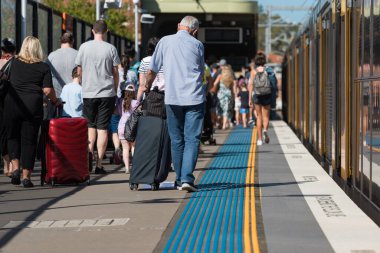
{"type": "Point", "coordinates": [212, 220]}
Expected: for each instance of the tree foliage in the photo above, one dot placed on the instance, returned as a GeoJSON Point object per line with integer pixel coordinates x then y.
{"type": "Point", "coordinates": [86, 10]}
{"type": "Point", "coordinates": [281, 36]}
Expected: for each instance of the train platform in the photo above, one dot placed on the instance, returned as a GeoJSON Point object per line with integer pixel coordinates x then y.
{"type": "Point", "coordinates": [270, 198]}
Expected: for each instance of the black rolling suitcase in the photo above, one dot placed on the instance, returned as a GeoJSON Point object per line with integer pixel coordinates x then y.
{"type": "Point", "coordinates": [151, 162]}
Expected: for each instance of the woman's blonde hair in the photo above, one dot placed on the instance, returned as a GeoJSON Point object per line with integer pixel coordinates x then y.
{"type": "Point", "coordinates": [227, 77]}
{"type": "Point", "coordinates": [31, 50]}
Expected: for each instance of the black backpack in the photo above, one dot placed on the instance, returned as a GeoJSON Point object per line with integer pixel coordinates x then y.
{"type": "Point", "coordinates": [261, 83]}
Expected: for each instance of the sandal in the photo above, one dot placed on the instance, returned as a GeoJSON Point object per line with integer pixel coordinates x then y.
{"type": "Point", "coordinates": [15, 179]}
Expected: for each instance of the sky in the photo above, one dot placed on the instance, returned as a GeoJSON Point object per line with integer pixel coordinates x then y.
{"type": "Point", "coordinates": [290, 16]}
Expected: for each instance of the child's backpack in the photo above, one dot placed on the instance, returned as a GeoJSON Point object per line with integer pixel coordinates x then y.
{"type": "Point", "coordinates": [262, 84]}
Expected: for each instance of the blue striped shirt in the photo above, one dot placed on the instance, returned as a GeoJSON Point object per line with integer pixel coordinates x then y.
{"type": "Point", "coordinates": [183, 59]}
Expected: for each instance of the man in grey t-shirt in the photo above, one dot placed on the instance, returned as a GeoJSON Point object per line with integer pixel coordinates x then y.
{"type": "Point", "coordinates": [62, 62]}
{"type": "Point", "coordinates": [98, 63]}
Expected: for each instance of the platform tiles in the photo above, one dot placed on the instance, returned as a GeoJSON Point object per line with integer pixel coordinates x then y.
{"type": "Point", "coordinates": [219, 217]}
{"type": "Point", "coordinates": [347, 228]}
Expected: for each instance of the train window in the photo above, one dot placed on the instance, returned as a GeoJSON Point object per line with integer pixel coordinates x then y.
{"type": "Point", "coordinates": [43, 29]}
{"type": "Point", "coordinates": [29, 19]}
{"type": "Point", "coordinates": [57, 30]}
{"type": "Point", "coordinates": [366, 135]}
{"type": "Point", "coordinates": [88, 31]}
{"type": "Point", "coordinates": [376, 37]}
{"type": "Point", "coordinates": [79, 34]}
{"type": "Point", "coordinates": [220, 35]}
{"type": "Point", "coordinates": [367, 38]}
{"type": "Point", "coordinates": [8, 16]}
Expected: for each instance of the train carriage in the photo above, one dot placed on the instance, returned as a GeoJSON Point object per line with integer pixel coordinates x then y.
{"type": "Point", "coordinates": [331, 75]}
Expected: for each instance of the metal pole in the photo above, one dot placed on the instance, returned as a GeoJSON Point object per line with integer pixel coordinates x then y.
{"type": "Point", "coordinates": [268, 32]}
{"type": "Point", "coordinates": [23, 19]}
{"type": "Point", "coordinates": [137, 32]}
{"type": "Point", "coordinates": [97, 9]}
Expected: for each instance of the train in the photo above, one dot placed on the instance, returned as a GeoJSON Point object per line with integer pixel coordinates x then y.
{"type": "Point", "coordinates": [331, 94]}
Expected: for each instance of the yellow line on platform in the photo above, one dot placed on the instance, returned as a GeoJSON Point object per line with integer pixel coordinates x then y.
{"type": "Point", "coordinates": [251, 242]}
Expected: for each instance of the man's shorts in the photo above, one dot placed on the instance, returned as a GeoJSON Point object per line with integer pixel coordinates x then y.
{"type": "Point", "coordinates": [244, 110]}
{"type": "Point", "coordinates": [114, 124]}
{"type": "Point", "coordinates": [98, 111]}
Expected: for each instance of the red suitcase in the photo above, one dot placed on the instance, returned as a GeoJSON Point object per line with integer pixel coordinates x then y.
{"type": "Point", "coordinates": [67, 151]}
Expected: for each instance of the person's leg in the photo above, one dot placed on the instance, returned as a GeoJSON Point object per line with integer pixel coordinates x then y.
{"type": "Point", "coordinates": [91, 139]}
{"type": "Point", "coordinates": [90, 110]}
{"type": "Point", "coordinates": [101, 145]}
{"type": "Point", "coordinates": [225, 122]}
{"type": "Point", "coordinates": [29, 137]}
{"type": "Point", "coordinates": [175, 121]}
{"type": "Point", "coordinates": [105, 110]}
{"type": "Point", "coordinates": [126, 149]}
{"type": "Point", "coordinates": [7, 165]}
{"type": "Point", "coordinates": [259, 120]}
{"type": "Point", "coordinates": [266, 115]}
{"type": "Point", "coordinates": [14, 147]}
{"type": "Point", "coordinates": [192, 133]}
{"type": "Point", "coordinates": [237, 116]}
{"type": "Point", "coordinates": [244, 119]}
{"type": "Point", "coordinates": [114, 129]}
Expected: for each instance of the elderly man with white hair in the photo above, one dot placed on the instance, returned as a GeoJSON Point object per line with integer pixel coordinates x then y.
{"type": "Point", "coordinates": [183, 57]}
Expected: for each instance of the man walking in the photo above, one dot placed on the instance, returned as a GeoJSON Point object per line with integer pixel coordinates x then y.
{"type": "Point", "coordinates": [62, 62]}
{"type": "Point", "coordinates": [183, 58]}
{"type": "Point", "coordinates": [97, 62]}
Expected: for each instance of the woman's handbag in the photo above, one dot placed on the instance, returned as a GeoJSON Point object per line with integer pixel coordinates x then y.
{"type": "Point", "coordinates": [130, 130]}
{"type": "Point", "coordinates": [154, 104]}
{"type": "Point", "coordinates": [5, 74]}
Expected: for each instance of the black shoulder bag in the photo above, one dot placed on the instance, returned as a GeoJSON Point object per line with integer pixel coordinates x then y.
{"type": "Point", "coordinates": [130, 130]}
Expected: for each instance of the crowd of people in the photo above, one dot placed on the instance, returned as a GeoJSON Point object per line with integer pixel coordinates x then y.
{"type": "Point", "coordinates": [97, 84]}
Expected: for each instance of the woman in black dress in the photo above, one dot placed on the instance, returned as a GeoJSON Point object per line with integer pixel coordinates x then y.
{"type": "Point", "coordinates": [23, 107]}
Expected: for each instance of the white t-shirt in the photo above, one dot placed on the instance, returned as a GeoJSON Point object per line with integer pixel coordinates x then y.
{"type": "Point", "coordinates": [160, 80]}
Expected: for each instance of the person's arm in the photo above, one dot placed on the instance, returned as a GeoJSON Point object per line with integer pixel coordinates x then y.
{"type": "Point", "coordinates": [142, 87]}
{"type": "Point", "coordinates": [149, 80]}
{"type": "Point", "coordinates": [250, 87]}
{"type": "Point", "coordinates": [50, 94]}
{"type": "Point", "coordinates": [155, 65]}
{"type": "Point", "coordinates": [115, 73]}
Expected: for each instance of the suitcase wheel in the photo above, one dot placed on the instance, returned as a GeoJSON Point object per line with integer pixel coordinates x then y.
{"type": "Point", "coordinates": [134, 187]}
{"type": "Point", "coordinates": [155, 186]}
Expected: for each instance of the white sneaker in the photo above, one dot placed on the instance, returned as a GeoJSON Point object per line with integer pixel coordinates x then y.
{"type": "Point", "coordinates": [189, 187]}
{"type": "Point", "coordinates": [259, 143]}
{"type": "Point", "coordinates": [266, 137]}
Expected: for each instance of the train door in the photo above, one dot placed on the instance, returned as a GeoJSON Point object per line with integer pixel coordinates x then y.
{"type": "Point", "coordinates": [366, 163]}
{"type": "Point", "coordinates": [313, 84]}
{"type": "Point", "coordinates": [319, 65]}
{"type": "Point", "coordinates": [328, 91]}
{"type": "Point", "coordinates": [300, 89]}
{"type": "Point", "coordinates": [306, 113]}
{"type": "Point", "coordinates": [343, 83]}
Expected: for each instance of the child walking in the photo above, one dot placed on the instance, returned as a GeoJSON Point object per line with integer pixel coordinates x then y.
{"type": "Point", "coordinates": [244, 97]}
{"type": "Point", "coordinates": [72, 96]}
{"type": "Point", "coordinates": [128, 105]}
